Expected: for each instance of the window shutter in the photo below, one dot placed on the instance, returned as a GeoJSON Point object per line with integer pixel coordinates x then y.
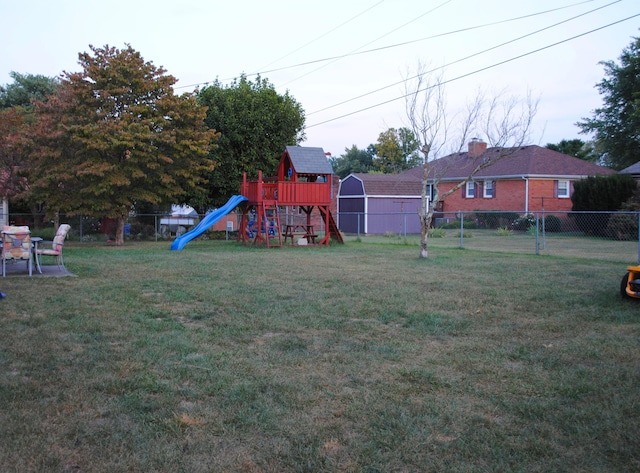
{"type": "Point", "coordinates": [479, 189]}
{"type": "Point", "coordinates": [555, 189]}
{"type": "Point", "coordinates": [570, 188]}
{"type": "Point", "coordinates": [464, 191]}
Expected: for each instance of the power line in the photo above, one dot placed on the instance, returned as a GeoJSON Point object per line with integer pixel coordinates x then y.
{"type": "Point", "coordinates": [372, 41]}
{"type": "Point", "coordinates": [357, 52]}
{"type": "Point", "coordinates": [323, 35]}
{"type": "Point", "coordinates": [476, 71]}
{"type": "Point", "coordinates": [463, 59]}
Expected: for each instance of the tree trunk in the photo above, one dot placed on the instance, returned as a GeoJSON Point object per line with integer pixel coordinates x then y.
{"type": "Point", "coordinates": [120, 232]}
{"type": "Point", "coordinates": [425, 213]}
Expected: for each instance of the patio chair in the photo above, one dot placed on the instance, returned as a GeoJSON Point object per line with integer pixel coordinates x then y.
{"type": "Point", "coordinates": [55, 246]}
{"type": "Point", "coordinates": [16, 245]}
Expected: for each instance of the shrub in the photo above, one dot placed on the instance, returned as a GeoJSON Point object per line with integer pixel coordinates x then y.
{"type": "Point", "coordinates": [623, 227]}
{"type": "Point", "coordinates": [552, 224]}
{"type": "Point", "coordinates": [523, 223]}
{"type": "Point", "coordinates": [505, 231]}
{"type": "Point", "coordinates": [437, 233]}
{"type": "Point", "coordinates": [495, 220]}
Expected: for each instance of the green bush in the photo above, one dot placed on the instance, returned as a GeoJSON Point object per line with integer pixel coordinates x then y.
{"type": "Point", "coordinates": [495, 220]}
{"type": "Point", "coordinates": [552, 224]}
{"type": "Point", "coordinates": [623, 227]}
{"type": "Point", "coordinates": [523, 223]}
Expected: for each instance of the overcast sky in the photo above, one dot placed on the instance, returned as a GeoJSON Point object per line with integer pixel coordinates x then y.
{"type": "Point", "coordinates": [344, 61]}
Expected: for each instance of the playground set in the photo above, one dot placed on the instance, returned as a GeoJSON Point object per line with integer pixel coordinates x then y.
{"type": "Point", "coordinates": [302, 184]}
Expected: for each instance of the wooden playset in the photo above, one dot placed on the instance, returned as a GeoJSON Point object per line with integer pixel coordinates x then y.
{"type": "Point", "coordinates": [303, 183]}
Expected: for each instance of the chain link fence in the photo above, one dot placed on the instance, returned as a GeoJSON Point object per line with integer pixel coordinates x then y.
{"type": "Point", "coordinates": [607, 235]}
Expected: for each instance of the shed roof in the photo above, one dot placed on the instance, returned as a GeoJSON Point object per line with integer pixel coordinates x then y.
{"type": "Point", "coordinates": [309, 160]}
{"type": "Point", "coordinates": [388, 184]}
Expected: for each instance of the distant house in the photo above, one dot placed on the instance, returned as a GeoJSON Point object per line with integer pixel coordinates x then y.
{"type": "Point", "coordinates": [634, 170]}
{"type": "Point", "coordinates": [528, 179]}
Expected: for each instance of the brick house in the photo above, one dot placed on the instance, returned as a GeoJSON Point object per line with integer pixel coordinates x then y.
{"type": "Point", "coordinates": [527, 179]}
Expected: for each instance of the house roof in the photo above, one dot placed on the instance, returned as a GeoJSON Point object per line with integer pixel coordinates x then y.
{"type": "Point", "coordinates": [526, 161]}
{"type": "Point", "coordinates": [309, 160]}
{"type": "Point", "coordinates": [633, 169]}
{"type": "Point", "coordinates": [389, 184]}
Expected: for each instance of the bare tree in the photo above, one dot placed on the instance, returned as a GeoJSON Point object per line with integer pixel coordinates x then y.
{"type": "Point", "coordinates": [504, 122]}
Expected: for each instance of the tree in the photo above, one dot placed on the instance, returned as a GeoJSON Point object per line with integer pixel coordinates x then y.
{"type": "Point", "coordinates": [16, 112]}
{"type": "Point", "coordinates": [396, 151]}
{"type": "Point", "coordinates": [114, 135]}
{"type": "Point", "coordinates": [256, 124]}
{"type": "Point", "coordinates": [12, 149]}
{"type": "Point", "coordinates": [616, 125]}
{"type": "Point", "coordinates": [25, 88]}
{"type": "Point", "coordinates": [504, 122]}
{"type": "Point", "coordinates": [354, 160]}
{"type": "Point", "coordinates": [577, 148]}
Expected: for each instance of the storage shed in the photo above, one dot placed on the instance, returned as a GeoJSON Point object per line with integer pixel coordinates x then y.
{"type": "Point", "coordinates": [378, 203]}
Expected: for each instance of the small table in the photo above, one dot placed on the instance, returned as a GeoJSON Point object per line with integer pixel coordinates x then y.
{"type": "Point", "coordinates": [35, 241]}
{"type": "Point", "coordinates": [304, 231]}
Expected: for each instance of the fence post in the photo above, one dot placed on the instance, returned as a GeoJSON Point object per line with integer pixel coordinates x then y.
{"type": "Point", "coordinates": [461, 229]}
{"type": "Point", "coordinates": [404, 227]}
{"type": "Point", "coordinates": [537, 235]}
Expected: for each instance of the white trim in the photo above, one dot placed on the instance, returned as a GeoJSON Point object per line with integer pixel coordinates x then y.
{"type": "Point", "coordinates": [568, 189]}
{"type": "Point", "coordinates": [484, 188]}
{"type": "Point", "coordinates": [466, 190]}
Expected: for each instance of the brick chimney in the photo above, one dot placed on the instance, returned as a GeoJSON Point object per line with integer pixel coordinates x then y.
{"type": "Point", "coordinates": [476, 147]}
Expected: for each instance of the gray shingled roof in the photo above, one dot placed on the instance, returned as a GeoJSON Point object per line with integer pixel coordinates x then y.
{"type": "Point", "coordinates": [633, 169]}
{"type": "Point", "coordinates": [526, 161]}
{"type": "Point", "coordinates": [388, 184]}
{"type": "Point", "coordinates": [308, 160]}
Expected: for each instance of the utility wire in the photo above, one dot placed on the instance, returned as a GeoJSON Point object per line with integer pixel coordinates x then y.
{"type": "Point", "coordinates": [333, 58]}
{"type": "Point", "coordinates": [323, 35]}
{"type": "Point", "coordinates": [476, 71]}
{"type": "Point", "coordinates": [462, 59]}
{"type": "Point", "coordinates": [370, 42]}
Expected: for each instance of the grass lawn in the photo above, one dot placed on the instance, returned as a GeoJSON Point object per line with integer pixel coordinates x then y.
{"type": "Point", "coordinates": [352, 358]}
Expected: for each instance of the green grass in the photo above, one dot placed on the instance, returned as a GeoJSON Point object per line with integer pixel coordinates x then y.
{"type": "Point", "coordinates": [352, 358]}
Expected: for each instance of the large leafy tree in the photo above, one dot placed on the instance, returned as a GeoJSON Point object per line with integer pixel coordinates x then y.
{"type": "Point", "coordinates": [115, 135]}
{"type": "Point", "coordinates": [354, 160]}
{"type": "Point", "coordinates": [12, 149]}
{"type": "Point", "coordinates": [616, 124]}
{"type": "Point", "coordinates": [255, 123]}
{"type": "Point", "coordinates": [396, 151]}
{"type": "Point", "coordinates": [16, 112]}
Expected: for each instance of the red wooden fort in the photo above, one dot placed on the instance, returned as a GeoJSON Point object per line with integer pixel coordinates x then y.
{"type": "Point", "coordinates": [281, 207]}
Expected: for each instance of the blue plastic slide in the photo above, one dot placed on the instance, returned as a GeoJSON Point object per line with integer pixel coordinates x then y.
{"type": "Point", "coordinates": [208, 220]}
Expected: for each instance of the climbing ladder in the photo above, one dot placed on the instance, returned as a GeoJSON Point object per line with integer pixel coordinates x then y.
{"type": "Point", "coordinates": [267, 226]}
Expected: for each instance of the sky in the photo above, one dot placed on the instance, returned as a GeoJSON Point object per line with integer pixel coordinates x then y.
{"type": "Point", "coordinates": [346, 62]}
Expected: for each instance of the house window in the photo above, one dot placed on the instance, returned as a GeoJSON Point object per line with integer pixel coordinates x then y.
{"type": "Point", "coordinates": [563, 189]}
{"type": "Point", "coordinates": [488, 189]}
{"type": "Point", "coordinates": [471, 190]}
